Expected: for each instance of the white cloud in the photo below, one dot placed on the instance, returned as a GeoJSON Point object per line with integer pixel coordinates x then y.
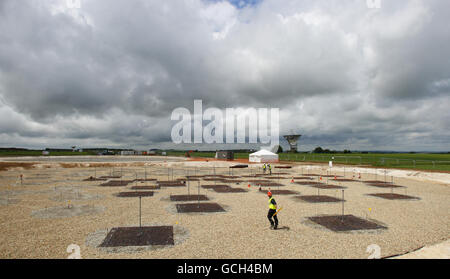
{"type": "Point", "coordinates": [112, 72]}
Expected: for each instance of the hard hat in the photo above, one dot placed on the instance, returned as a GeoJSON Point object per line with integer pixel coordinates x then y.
{"type": "Point", "coordinates": [269, 194]}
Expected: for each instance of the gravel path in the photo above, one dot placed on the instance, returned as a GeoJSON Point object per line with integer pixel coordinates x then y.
{"type": "Point", "coordinates": [240, 232]}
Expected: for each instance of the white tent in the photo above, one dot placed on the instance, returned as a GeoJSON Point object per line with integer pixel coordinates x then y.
{"type": "Point", "coordinates": [263, 156]}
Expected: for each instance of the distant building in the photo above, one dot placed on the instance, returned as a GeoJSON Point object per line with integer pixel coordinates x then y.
{"type": "Point", "coordinates": [225, 154]}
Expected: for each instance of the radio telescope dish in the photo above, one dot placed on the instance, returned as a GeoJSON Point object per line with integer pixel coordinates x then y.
{"type": "Point", "coordinates": [292, 140]}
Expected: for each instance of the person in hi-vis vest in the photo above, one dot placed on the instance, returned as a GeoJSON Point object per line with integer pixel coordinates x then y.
{"type": "Point", "coordinates": [272, 211]}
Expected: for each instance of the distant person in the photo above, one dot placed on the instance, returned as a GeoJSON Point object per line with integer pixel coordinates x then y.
{"type": "Point", "coordinates": [264, 168]}
{"type": "Point", "coordinates": [272, 211]}
{"type": "Point", "coordinates": [270, 168]}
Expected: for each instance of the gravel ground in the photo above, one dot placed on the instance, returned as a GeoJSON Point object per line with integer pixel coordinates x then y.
{"type": "Point", "coordinates": [240, 232]}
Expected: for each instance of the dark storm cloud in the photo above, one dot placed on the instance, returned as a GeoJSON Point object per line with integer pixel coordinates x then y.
{"type": "Point", "coordinates": [113, 71]}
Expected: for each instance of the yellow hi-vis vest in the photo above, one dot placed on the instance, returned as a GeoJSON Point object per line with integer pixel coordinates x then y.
{"type": "Point", "coordinates": [271, 205]}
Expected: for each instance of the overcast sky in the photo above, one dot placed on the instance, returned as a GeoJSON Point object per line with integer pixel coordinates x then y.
{"type": "Point", "coordinates": [110, 72]}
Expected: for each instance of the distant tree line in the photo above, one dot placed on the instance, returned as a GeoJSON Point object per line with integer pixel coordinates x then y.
{"type": "Point", "coordinates": [328, 151]}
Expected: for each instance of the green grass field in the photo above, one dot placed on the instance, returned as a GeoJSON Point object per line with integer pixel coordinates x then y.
{"type": "Point", "coordinates": [19, 153]}
{"type": "Point", "coordinates": [419, 161]}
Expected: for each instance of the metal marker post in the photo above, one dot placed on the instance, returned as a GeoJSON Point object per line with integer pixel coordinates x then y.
{"type": "Point", "coordinates": [140, 214]}
{"type": "Point", "coordinates": [187, 181]}
{"type": "Point", "coordinates": [342, 205]}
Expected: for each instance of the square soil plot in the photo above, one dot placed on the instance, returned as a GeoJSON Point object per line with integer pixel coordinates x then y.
{"type": "Point", "coordinates": [188, 198]}
{"type": "Point", "coordinates": [143, 179]}
{"type": "Point", "coordinates": [188, 179]}
{"type": "Point", "coordinates": [94, 179]}
{"type": "Point", "coordinates": [199, 207]}
{"type": "Point", "coordinates": [328, 186]}
{"type": "Point", "coordinates": [310, 183]}
{"type": "Point", "coordinates": [116, 183]}
{"type": "Point", "coordinates": [384, 185]}
{"type": "Point", "coordinates": [171, 184]}
{"type": "Point", "coordinates": [110, 176]}
{"type": "Point", "coordinates": [392, 196]}
{"type": "Point", "coordinates": [150, 187]}
{"type": "Point", "coordinates": [229, 189]}
{"type": "Point", "coordinates": [281, 192]}
{"type": "Point", "coordinates": [139, 236]}
{"type": "Point", "coordinates": [135, 194]}
{"type": "Point", "coordinates": [215, 186]}
{"type": "Point", "coordinates": [270, 184]}
{"type": "Point", "coordinates": [342, 223]}
{"type": "Point", "coordinates": [318, 199]}
{"type": "Point", "coordinates": [239, 167]}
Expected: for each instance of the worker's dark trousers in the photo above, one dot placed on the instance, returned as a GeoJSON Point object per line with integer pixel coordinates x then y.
{"type": "Point", "coordinates": [270, 215]}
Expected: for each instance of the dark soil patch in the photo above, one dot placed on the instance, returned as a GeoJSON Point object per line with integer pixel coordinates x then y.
{"type": "Point", "coordinates": [199, 207]}
{"type": "Point", "coordinates": [318, 199]}
{"type": "Point", "coordinates": [94, 179]}
{"type": "Point", "coordinates": [139, 236]}
{"type": "Point", "coordinates": [188, 198]}
{"type": "Point", "coordinates": [269, 184]}
{"type": "Point", "coordinates": [175, 183]}
{"type": "Point", "coordinates": [373, 181]}
{"type": "Point", "coordinates": [328, 186]}
{"type": "Point", "coordinates": [145, 179]}
{"type": "Point", "coordinates": [168, 181]}
{"type": "Point", "coordinates": [214, 186]}
{"type": "Point", "coordinates": [116, 183]}
{"type": "Point", "coordinates": [302, 177]}
{"type": "Point", "coordinates": [384, 185]}
{"type": "Point", "coordinates": [340, 223]}
{"type": "Point", "coordinates": [392, 196]}
{"type": "Point", "coordinates": [110, 176]}
{"type": "Point", "coordinates": [150, 187]}
{"type": "Point", "coordinates": [195, 176]}
{"type": "Point", "coordinates": [228, 189]}
{"type": "Point", "coordinates": [188, 179]}
{"type": "Point", "coordinates": [239, 167]}
{"type": "Point", "coordinates": [283, 167]}
{"type": "Point", "coordinates": [135, 194]}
